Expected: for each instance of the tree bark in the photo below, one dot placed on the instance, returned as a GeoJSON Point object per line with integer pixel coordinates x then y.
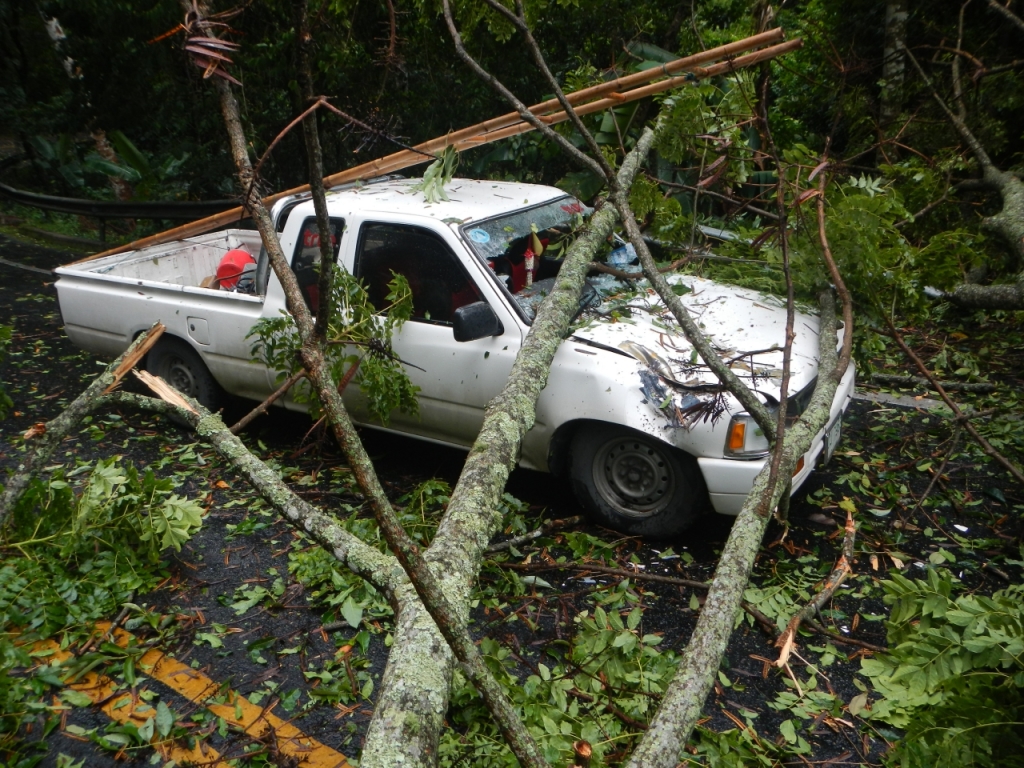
{"type": "Point", "coordinates": [1007, 14]}
{"type": "Point", "coordinates": [971, 296]}
{"type": "Point", "coordinates": [1008, 224]}
{"type": "Point", "coordinates": [893, 64]}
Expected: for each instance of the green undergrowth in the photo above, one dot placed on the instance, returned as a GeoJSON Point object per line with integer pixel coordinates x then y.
{"type": "Point", "coordinates": [5, 343]}
{"type": "Point", "coordinates": [954, 676]}
{"type": "Point", "coordinates": [80, 545]}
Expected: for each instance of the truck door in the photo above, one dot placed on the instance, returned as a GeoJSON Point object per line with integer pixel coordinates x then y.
{"type": "Point", "coordinates": [458, 379]}
{"type": "Point", "coordinates": [305, 264]}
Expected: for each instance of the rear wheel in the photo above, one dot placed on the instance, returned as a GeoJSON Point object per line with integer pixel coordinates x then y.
{"type": "Point", "coordinates": [634, 483]}
{"type": "Point", "coordinates": [180, 366]}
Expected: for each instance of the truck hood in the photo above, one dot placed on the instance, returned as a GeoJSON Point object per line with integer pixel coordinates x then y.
{"type": "Point", "coordinates": [746, 328]}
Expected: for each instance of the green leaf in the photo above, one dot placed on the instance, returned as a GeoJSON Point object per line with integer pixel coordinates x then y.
{"type": "Point", "coordinates": [210, 638]}
{"type": "Point", "coordinates": [858, 703]}
{"type": "Point", "coordinates": [438, 174]}
{"type": "Point", "coordinates": [76, 698]}
{"type": "Point", "coordinates": [352, 613]}
{"type": "Point", "coordinates": [129, 153]}
{"type": "Point", "coordinates": [633, 620]}
{"type": "Point", "coordinates": [996, 493]}
{"type": "Point", "coordinates": [788, 731]}
{"type": "Point", "coordinates": [146, 729]}
{"type": "Point", "coordinates": [164, 720]}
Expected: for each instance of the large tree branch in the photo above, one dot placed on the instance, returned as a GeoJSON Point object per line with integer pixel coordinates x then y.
{"type": "Point", "coordinates": [986, 446]}
{"type": "Point", "coordinates": [987, 166]}
{"type": "Point", "coordinates": [518, 20]}
{"type": "Point", "coordinates": [408, 717]}
{"type": "Point", "coordinates": [451, 622]}
{"type": "Point", "coordinates": [406, 723]}
{"type": "Point", "coordinates": [379, 568]}
{"type": "Point", "coordinates": [316, 167]}
{"type": "Point", "coordinates": [683, 702]}
{"type": "Point", "coordinates": [521, 108]}
{"type": "Point", "coordinates": [1009, 222]}
{"type": "Point", "coordinates": [971, 296]}
{"type": "Point", "coordinates": [49, 435]}
{"type": "Point", "coordinates": [1007, 14]}
{"type": "Point", "coordinates": [743, 393]}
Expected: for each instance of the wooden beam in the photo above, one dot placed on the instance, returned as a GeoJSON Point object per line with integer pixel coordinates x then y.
{"type": "Point", "coordinates": [587, 101]}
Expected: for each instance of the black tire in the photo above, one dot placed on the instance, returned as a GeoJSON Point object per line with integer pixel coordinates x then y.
{"type": "Point", "coordinates": [634, 483]}
{"type": "Point", "coordinates": [180, 366]}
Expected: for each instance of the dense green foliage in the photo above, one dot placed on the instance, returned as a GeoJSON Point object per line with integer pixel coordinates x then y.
{"type": "Point", "coordinates": [954, 677]}
{"type": "Point", "coordinates": [73, 557]}
{"type": "Point", "coordinates": [165, 126]}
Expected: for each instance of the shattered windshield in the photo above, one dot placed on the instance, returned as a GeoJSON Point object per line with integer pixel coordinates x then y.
{"type": "Point", "coordinates": [525, 248]}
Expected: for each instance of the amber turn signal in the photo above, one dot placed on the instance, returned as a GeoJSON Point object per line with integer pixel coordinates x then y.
{"type": "Point", "coordinates": [737, 436]}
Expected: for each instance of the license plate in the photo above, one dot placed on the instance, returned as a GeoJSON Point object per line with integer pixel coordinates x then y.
{"type": "Point", "coordinates": [832, 436]}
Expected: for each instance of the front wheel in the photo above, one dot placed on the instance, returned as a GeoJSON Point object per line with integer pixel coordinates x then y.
{"type": "Point", "coordinates": [634, 483]}
{"type": "Point", "coordinates": [180, 366]}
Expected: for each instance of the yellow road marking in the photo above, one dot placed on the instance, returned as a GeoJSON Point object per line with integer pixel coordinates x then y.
{"type": "Point", "coordinates": [238, 711]}
{"type": "Point", "coordinates": [241, 713]}
{"type": "Point", "coordinates": [125, 708]}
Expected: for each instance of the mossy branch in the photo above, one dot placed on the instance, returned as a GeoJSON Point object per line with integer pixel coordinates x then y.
{"type": "Point", "coordinates": [43, 439]}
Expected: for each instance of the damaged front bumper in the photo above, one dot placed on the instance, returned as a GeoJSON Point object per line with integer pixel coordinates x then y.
{"type": "Point", "coordinates": [729, 480]}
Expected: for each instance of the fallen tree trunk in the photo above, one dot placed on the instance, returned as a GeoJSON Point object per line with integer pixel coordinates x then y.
{"type": "Point", "coordinates": [683, 703]}
{"type": "Point", "coordinates": [972, 296]}
{"type": "Point", "coordinates": [472, 517]}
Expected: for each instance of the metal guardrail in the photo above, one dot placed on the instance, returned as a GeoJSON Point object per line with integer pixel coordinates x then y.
{"type": "Point", "coordinates": [172, 210]}
{"type": "Point", "coordinates": [177, 210]}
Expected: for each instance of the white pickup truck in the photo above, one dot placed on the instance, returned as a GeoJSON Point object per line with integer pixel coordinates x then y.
{"type": "Point", "coordinates": [625, 411]}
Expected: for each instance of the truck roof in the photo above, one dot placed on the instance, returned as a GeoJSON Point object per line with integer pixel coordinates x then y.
{"type": "Point", "coordinates": [469, 199]}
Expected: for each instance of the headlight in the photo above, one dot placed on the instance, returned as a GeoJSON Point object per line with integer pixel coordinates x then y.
{"type": "Point", "coordinates": [744, 439]}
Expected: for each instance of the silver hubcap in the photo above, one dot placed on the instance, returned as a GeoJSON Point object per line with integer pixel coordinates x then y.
{"type": "Point", "coordinates": [633, 476]}
{"type": "Point", "coordinates": [180, 376]}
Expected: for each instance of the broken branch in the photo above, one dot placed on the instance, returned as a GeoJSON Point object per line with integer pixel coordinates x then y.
{"type": "Point", "coordinates": [536, 534]}
{"type": "Point", "coordinates": [54, 431]}
{"type": "Point", "coordinates": [986, 446]}
{"type": "Point", "coordinates": [263, 407]}
{"type": "Point", "coordinates": [843, 569]}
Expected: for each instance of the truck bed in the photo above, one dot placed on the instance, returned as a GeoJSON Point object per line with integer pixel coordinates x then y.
{"type": "Point", "coordinates": [185, 263]}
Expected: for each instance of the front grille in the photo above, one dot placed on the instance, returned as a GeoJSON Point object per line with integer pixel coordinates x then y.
{"type": "Point", "coordinates": [797, 404]}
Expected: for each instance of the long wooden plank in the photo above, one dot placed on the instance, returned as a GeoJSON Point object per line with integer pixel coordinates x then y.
{"type": "Point", "coordinates": [635, 94]}
{"type": "Point", "coordinates": [494, 129]}
{"type": "Point", "coordinates": [641, 93]}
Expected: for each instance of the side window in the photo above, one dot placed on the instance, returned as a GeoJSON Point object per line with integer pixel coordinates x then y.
{"type": "Point", "coordinates": [439, 283]}
{"type": "Point", "coordinates": [307, 257]}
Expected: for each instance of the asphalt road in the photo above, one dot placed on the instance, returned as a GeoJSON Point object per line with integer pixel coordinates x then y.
{"type": "Point", "coordinates": [205, 579]}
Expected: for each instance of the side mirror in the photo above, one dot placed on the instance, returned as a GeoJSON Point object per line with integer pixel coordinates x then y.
{"type": "Point", "coordinates": [476, 321]}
